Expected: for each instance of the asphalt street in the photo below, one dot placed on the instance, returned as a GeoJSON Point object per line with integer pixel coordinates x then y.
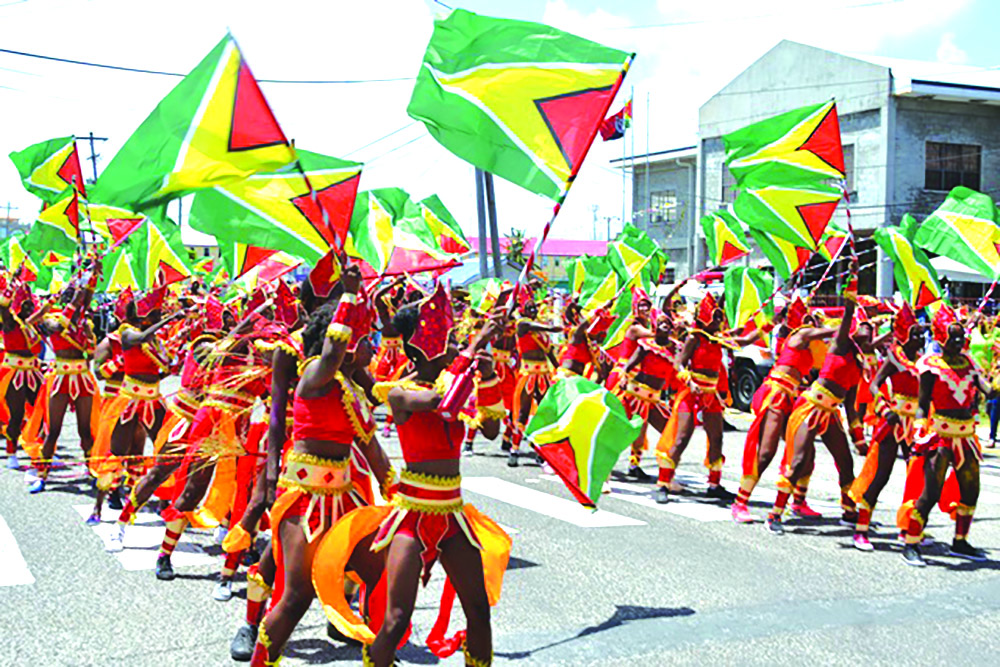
{"type": "Point", "coordinates": [635, 583]}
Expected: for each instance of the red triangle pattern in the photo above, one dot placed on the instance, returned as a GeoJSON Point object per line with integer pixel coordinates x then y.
{"type": "Point", "coordinates": [253, 125]}
{"type": "Point", "coordinates": [816, 216]}
{"type": "Point", "coordinates": [925, 296]}
{"type": "Point", "coordinates": [802, 254]}
{"type": "Point", "coordinates": [73, 213]}
{"type": "Point", "coordinates": [71, 173]}
{"type": "Point", "coordinates": [338, 201]}
{"type": "Point", "coordinates": [824, 142]}
{"type": "Point", "coordinates": [167, 274]}
{"type": "Point", "coordinates": [573, 119]}
{"type": "Point", "coordinates": [730, 252]}
{"type": "Point", "coordinates": [833, 245]}
{"type": "Point", "coordinates": [561, 457]}
{"type": "Point", "coordinates": [121, 228]}
{"type": "Point", "coordinates": [254, 256]}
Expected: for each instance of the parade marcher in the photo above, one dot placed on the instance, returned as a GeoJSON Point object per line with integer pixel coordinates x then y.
{"type": "Point", "coordinates": [945, 434]}
{"type": "Point", "coordinates": [895, 388]}
{"type": "Point", "coordinates": [772, 404]}
{"type": "Point", "coordinates": [20, 374]}
{"type": "Point", "coordinates": [389, 361]}
{"type": "Point", "coordinates": [536, 370]}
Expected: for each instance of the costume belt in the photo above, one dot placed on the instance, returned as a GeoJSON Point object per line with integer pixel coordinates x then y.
{"type": "Point", "coordinates": [501, 356]}
{"type": "Point", "coordinates": [534, 367]}
{"type": "Point", "coordinates": [139, 390]}
{"type": "Point", "coordinates": [642, 391]}
{"type": "Point", "coordinates": [428, 493]}
{"type": "Point", "coordinates": [318, 477]}
{"type": "Point", "coordinates": [948, 427]}
{"type": "Point", "coordinates": [784, 382]}
{"type": "Point", "coordinates": [111, 388]}
{"type": "Point", "coordinates": [822, 398]}
{"type": "Point", "coordinates": [20, 363]}
{"type": "Point", "coordinates": [70, 366]}
{"type": "Point", "coordinates": [392, 342]}
{"type": "Point", "coordinates": [704, 384]}
{"type": "Point", "coordinates": [904, 406]}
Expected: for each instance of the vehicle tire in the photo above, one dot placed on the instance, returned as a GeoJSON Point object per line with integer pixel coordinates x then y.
{"type": "Point", "coordinates": [746, 385]}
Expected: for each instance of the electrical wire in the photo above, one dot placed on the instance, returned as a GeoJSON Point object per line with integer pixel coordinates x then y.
{"type": "Point", "coordinates": [679, 24]}
{"type": "Point", "coordinates": [372, 143]}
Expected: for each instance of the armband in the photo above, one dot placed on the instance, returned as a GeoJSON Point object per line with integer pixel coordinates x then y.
{"type": "Point", "coordinates": [340, 328]}
{"type": "Point", "coordinates": [109, 368]}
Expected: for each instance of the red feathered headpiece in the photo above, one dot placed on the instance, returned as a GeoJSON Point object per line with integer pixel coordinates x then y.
{"type": "Point", "coordinates": [22, 293]}
{"type": "Point", "coordinates": [257, 299]}
{"type": "Point", "coordinates": [213, 314]}
{"type": "Point", "coordinates": [325, 275]}
{"type": "Point", "coordinates": [361, 321]}
{"type": "Point", "coordinates": [860, 317]}
{"type": "Point", "coordinates": [943, 318]}
{"type": "Point", "coordinates": [152, 300]}
{"type": "Point", "coordinates": [286, 310]}
{"type": "Point", "coordinates": [706, 310]}
{"type": "Point", "coordinates": [125, 297]}
{"type": "Point", "coordinates": [903, 322]}
{"type": "Point", "coordinates": [796, 313]}
{"type": "Point", "coordinates": [434, 325]}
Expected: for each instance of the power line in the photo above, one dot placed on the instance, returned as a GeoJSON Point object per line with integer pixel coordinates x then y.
{"type": "Point", "coordinates": [386, 136]}
{"type": "Point", "coordinates": [393, 150]}
{"type": "Point", "coordinates": [678, 24]}
{"type": "Point", "coordinates": [137, 70]}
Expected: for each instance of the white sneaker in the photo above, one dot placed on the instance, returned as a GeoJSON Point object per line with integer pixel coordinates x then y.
{"type": "Point", "coordinates": [12, 462]}
{"type": "Point", "coordinates": [116, 543]}
{"type": "Point", "coordinates": [220, 534]}
{"type": "Point", "coordinates": [223, 590]}
{"type": "Point", "coordinates": [30, 476]}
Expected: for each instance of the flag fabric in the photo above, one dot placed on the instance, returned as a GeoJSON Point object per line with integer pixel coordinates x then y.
{"type": "Point", "coordinates": [796, 214]}
{"type": "Point", "coordinates": [785, 257]}
{"type": "Point", "coordinates": [581, 429]}
{"type": "Point", "coordinates": [724, 237]}
{"type": "Point", "coordinates": [964, 228]}
{"type": "Point", "coordinates": [213, 128]}
{"type": "Point", "coordinates": [834, 237]}
{"type": "Point", "coordinates": [521, 100]}
{"type": "Point", "coordinates": [444, 226]}
{"type": "Point", "coordinates": [48, 168]}
{"type": "Point", "coordinates": [14, 254]}
{"type": "Point", "coordinates": [390, 233]}
{"type": "Point", "coordinates": [799, 146]}
{"type": "Point", "coordinates": [275, 210]}
{"type": "Point", "coordinates": [601, 284]}
{"type": "Point", "coordinates": [636, 257]}
{"type": "Point", "coordinates": [614, 126]}
{"type": "Point", "coordinates": [614, 339]}
{"type": "Point", "coordinates": [120, 270]}
{"type": "Point", "coordinates": [114, 223]}
{"type": "Point", "coordinates": [483, 294]}
{"type": "Point", "coordinates": [152, 254]}
{"type": "Point", "coordinates": [916, 277]}
{"type": "Point", "coordinates": [746, 291]}
{"type": "Point", "coordinates": [205, 265]}
{"type": "Point", "coordinates": [57, 227]}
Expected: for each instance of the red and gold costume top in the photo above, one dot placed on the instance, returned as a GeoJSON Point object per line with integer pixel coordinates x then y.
{"type": "Point", "coordinates": [340, 415]}
{"type": "Point", "coordinates": [956, 389]}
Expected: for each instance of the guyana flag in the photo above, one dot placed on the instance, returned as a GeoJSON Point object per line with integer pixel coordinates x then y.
{"type": "Point", "coordinates": [916, 277]}
{"type": "Point", "coordinates": [251, 264]}
{"type": "Point", "coordinates": [800, 146]}
{"type": "Point", "coordinates": [205, 265]}
{"type": "Point", "coordinates": [724, 237]}
{"type": "Point", "coordinates": [275, 210]}
{"type": "Point", "coordinates": [114, 223]}
{"type": "Point", "coordinates": [796, 214]}
{"type": "Point", "coordinates": [833, 239]}
{"type": "Point", "coordinates": [964, 228]}
{"type": "Point", "coordinates": [390, 233]}
{"type": "Point", "coordinates": [48, 168]}
{"type": "Point", "coordinates": [521, 100]}
{"type": "Point", "coordinates": [153, 253]}
{"type": "Point", "coordinates": [14, 254]}
{"type": "Point", "coordinates": [600, 284]}
{"type": "Point", "coordinates": [57, 227]}
{"type": "Point", "coordinates": [615, 338]}
{"type": "Point", "coordinates": [785, 257]}
{"type": "Point", "coordinates": [119, 271]}
{"type": "Point", "coordinates": [213, 128]}
{"type": "Point", "coordinates": [444, 226]}
{"type": "Point", "coordinates": [581, 429]}
{"type": "Point", "coordinates": [636, 258]}
{"type": "Point", "coordinates": [483, 294]}
{"type": "Point", "coordinates": [746, 291]}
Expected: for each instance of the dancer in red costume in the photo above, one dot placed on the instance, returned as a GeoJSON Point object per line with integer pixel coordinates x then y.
{"type": "Point", "coordinates": [536, 371]}
{"type": "Point", "coordinates": [390, 360]}
{"type": "Point", "coordinates": [816, 414]}
{"type": "Point", "coordinates": [505, 363]}
{"type": "Point", "coordinates": [21, 374]}
{"type": "Point", "coordinates": [700, 361]}
{"type": "Point", "coordinates": [330, 413]}
{"type": "Point", "coordinates": [896, 405]}
{"type": "Point", "coordinates": [71, 379]}
{"type": "Point", "coordinates": [945, 434]}
{"type": "Point", "coordinates": [582, 356]}
{"type": "Point", "coordinates": [772, 404]}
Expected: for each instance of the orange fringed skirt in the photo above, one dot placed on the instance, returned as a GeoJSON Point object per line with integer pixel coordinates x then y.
{"type": "Point", "coordinates": [535, 378]}
{"type": "Point", "coordinates": [135, 400]}
{"type": "Point", "coordinates": [776, 394]}
{"type": "Point", "coordinates": [32, 436]}
{"type": "Point", "coordinates": [20, 373]}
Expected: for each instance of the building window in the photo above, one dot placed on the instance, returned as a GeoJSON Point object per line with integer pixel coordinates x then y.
{"type": "Point", "coordinates": [849, 170]}
{"type": "Point", "coordinates": [664, 207]}
{"type": "Point", "coordinates": [949, 165]}
{"type": "Point", "coordinates": [728, 186]}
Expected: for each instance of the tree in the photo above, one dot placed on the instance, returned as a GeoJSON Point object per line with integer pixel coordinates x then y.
{"type": "Point", "coordinates": [515, 246]}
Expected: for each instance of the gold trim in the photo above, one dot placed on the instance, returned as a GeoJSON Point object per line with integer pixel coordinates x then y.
{"type": "Point", "coordinates": [435, 482]}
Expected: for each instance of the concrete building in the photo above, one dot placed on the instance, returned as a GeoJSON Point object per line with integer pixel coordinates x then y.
{"type": "Point", "coordinates": [911, 131]}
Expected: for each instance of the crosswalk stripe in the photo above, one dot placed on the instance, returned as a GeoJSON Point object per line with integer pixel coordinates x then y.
{"type": "Point", "coordinates": [13, 568]}
{"type": "Point", "coordinates": [142, 542]}
{"type": "Point", "coordinates": [690, 509]}
{"type": "Point", "coordinates": [543, 503]}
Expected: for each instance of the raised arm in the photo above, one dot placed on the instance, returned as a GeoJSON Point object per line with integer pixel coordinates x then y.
{"type": "Point", "coordinates": [133, 337]}
{"type": "Point", "coordinates": [338, 333]}
{"type": "Point", "coordinates": [282, 374]}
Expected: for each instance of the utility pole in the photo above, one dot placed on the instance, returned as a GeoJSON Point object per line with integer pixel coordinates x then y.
{"type": "Point", "coordinates": [7, 220]}
{"type": "Point", "coordinates": [491, 211]}
{"type": "Point", "coordinates": [593, 210]}
{"type": "Point", "coordinates": [481, 219]}
{"type": "Point", "coordinates": [93, 152]}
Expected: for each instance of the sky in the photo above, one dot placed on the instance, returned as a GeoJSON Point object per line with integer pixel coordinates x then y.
{"type": "Point", "coordinates": [687, 51]}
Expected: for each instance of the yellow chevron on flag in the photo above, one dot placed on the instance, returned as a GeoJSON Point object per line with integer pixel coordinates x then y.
{"type": "Point", "coordinates": [100, 214]}
{"type": "Point", "coordinates": [19, 256]}
{"type": "Point", "coordinates": [980, 234]}
{"type": "Point", "coordinates": [212, 151]}
{"type": "Point", "coordinates": [380, 229]}
{"type": "Point", "coordinates": [162, 257]}
{"type": "Point", "coordinates": [514, 96]}
{"type": "Point", "coordinates": [63, 216]}
{"type": "Point", "coordinates": [800, 215]}
{"type": "Point", "coordinates": [50, 174]}
{"type": "Point", "coordinates": [53, 258]}
{"type": "Point", "coordinates": [121, 274]}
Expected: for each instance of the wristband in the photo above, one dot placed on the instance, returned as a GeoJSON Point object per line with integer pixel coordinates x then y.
{"type": "Point", "coordinates": [340, 328]}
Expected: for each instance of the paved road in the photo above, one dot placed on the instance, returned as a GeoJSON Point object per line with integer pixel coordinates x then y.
{"type": "Point", "coordinates": [635, 583]}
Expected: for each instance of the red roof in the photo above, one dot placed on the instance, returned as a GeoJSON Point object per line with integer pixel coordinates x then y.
{"type": "Point", "coordinates": [555, 247]}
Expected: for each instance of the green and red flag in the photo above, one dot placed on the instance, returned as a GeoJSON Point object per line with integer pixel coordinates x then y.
{"type": "Point", "coordinates": [796, 214]}
{"type": "Point", "coordinates": [796, 147]}
{"type": "Point", "coordinates": [724, 237]}
{"type": "Point", "coordinates": [600, 284]}
{"type": "Point", "coordinates": [580, 429]}
{"type": "Point", "coordinates": [964, 228]}
{"type": "Point", "coordinates": [916, 277]}
{"type": "Point", "coordinates": [636, 257]}
{"type": "Point", "coordinates": [521, 100]}
{"type": "Point", "coordinates": [49, 168]}
{"type": "Point", "coordinates": [444, 226]}
{"type": "Point", "coordinates": [747, 291]}
{"type": "Point", "coordinates": [114, 223]}
{"type": "Point", "coordinates": [154, 254]}
{"type": "Point", "coordinates": [14, 254]}
{"type": "Point", "coordinates": [833, 239]}
{"type": "Point", "coordinates": [275, 210]}
{"type": "Point", "coordinates": [213, 128]}
{"type": "Point", "coordinates": [484, 293]}
{"type": "Point", "coordinates": [57, 227]}
{"type": "Point", "coordinates": [119, 271]}
{"type": "Point", "coordinates": [614, 339]}
{"type": "Point", "coordinates": [785, 257]}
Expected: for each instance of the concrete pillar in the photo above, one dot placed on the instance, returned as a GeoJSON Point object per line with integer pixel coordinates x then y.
{"type": "Point", "coordinates": [883, 270]}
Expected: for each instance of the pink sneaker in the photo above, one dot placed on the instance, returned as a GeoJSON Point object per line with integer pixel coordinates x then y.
{"type": "Point", "coordinates": [861, 542]}
{"type": "Point", "coordinates": [803, 510]}
{"type": "Point", "coordinates": [741, 513]}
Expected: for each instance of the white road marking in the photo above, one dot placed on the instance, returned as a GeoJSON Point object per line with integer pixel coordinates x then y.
{"type": "Point", "coordinates": [13, 568]}
{"type": "Point", "coordinates": [640, 495]}
{"type": "Point", "coordinates": [143, 540]}
{"type": "Point", "coordinates": [543, 503]}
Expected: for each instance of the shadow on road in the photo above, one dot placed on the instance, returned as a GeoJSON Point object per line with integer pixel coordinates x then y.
{"type": "Point", "coordinates": [623, 615]}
